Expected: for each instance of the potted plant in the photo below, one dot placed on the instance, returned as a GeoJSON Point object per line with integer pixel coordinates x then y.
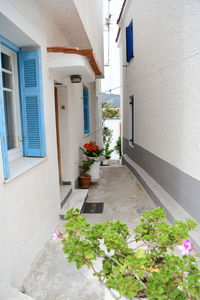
{"type": "Point", "coordinates": [85, 178]}
{"type": "Point", "coordinates": [93, 152]}
{"type": "Point", "coordinates": [143, 264]}
{"type": "Point", "coordinates": [118, 147]}
{"type": "Point", "coordinates": [107, 154]}
{"type": "Point", "coordinates": [107, 137]}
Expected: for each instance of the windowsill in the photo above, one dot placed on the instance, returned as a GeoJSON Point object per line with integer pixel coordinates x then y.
{"type": "Point", "coordinates": [129, 62]}
{"type": "Point", "coordinates": [90, 133]}
{"type": "Point", "coordinates": [87, 134]}
{"type": "Point", "coordinates": [23, 165]}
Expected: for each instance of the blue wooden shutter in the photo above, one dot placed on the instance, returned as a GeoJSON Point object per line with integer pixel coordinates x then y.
{"type": "Point", "coordinates": [129, 42]}
{"type": "Point", "coordinates": [32, 103]}
{"type": "Point", "coordinates": [86, 111]}
{"type": "Point", "coordinates": [3, 138]}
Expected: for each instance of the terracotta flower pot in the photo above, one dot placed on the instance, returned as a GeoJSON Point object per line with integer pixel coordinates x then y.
{"type": "Point", "coordinates": [84, 181]}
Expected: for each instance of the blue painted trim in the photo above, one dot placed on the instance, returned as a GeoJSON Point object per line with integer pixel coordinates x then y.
{"type": "Point", "coordinates": [86, 110]}
{"type": "Point", "coordinates": [42, 128]}
{"type": "Point", "coordinates": [8, 44]}
{"type": "Point", "coordinates": [34, 91]}
{"type": "Point", "coordinates": [129, 42]}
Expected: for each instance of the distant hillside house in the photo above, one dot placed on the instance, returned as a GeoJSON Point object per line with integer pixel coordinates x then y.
{"type": "Point", "coordinates": [114, 99]}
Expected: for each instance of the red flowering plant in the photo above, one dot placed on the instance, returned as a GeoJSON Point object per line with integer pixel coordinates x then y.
{"type": "Point", "coordinates": [91, 149]}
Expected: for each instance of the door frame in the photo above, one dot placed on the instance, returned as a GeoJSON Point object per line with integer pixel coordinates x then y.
{"type": "Point", "coordinates": [58, 133]}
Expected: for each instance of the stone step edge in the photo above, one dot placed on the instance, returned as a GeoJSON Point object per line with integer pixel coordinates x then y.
{"type": "Point", "coordinates": [174, 210]}
{"type": "Point", "coordinates": [80, 196]}
{"type": "Point", "coordinates": [62, 203]}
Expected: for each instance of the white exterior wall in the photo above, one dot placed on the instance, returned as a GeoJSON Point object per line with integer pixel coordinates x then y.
{"type": "Point", "coordinates": [29, 203]}
{"type": "Point", "coordinates": [91, 14]}
{"type": "Point", "coordinates": [34, 21]}
{"type": "Point", "coordinates": [72, 126]}
{"type": "Point", "coordinates": [164, 77]}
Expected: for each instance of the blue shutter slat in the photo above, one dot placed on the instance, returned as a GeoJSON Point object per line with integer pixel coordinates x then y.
{"type": "Point", "coordinates": [3, 132]}
{"type": "Point", "coordinates": [30, 73]}
{"type": "Point", "coordinates": [86, 111]}
{"type": "Point", "coordinates": [33, 129]}
{"type": "Point", "coordinates": [32, 103]}
{"type": "Point", "coordinates": [129, 42]}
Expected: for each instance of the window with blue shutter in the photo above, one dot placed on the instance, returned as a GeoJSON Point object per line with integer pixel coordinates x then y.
{"type": "Point", "coordinates": [86, 110]}
{"type": "Point", "coordinates": [32, 103]}
{"type": "Point", "coordinates": [129, 42]}
{"type": "Point", "coordinates": [25, 107]}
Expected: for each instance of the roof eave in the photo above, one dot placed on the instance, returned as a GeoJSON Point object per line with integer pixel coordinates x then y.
{"type": "Point", "coordinates": [88, 53]}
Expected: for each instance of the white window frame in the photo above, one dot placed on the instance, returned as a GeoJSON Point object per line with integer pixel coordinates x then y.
{"type": "Point", "coordinates": [18, 151]}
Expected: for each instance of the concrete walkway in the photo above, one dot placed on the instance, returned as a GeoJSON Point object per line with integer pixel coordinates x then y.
{"type": "Point", "coordinates": [51, 277]}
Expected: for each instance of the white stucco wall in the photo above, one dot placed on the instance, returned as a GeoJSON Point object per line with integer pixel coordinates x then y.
{"type": "Point", "coordinates": [164, 77]}
{"type": "Point", "coordinates": [29, 203]}
{"type": "Point", "coordinates": [34, 21]}
{"type": "Point", "coordinates": [91, 14]}
{"type": "Point", "coordinates": [75, 130]}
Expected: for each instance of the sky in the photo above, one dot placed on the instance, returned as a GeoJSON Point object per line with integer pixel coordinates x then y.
{"type": "Point", "coordinates": [111, 72]}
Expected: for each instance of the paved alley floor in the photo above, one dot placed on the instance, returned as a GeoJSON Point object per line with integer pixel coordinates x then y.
{"type": "Point", "coordinates": [51, 276]}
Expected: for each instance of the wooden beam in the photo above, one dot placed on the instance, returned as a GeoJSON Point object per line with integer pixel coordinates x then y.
{"type": "Point", "coordinates": [88, 53]}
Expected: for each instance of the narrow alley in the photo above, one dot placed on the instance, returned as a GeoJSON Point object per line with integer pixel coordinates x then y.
{"type": "Point", "coordinates": [99, 107]}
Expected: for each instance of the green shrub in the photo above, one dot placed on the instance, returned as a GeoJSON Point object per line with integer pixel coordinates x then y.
{"type": "Point", "coordinates": [152, 269]}
{"type": "Point", "coordinates": [118, 146]}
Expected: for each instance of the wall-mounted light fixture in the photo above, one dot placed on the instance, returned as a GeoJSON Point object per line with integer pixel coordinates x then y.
{"type": "Point", "coordinates": [75, 78]}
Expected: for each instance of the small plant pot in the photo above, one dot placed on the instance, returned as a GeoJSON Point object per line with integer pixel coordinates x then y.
{"type": "Point", "coordinates": [95, 169]}
{"type": "Point", "coordinates": [105, 162]}
{"type": "Point", "coordinates": [84, 181]}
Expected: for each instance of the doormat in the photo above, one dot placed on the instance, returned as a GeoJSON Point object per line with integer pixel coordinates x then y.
{"type": "Point", "coordinates": [92, 208]}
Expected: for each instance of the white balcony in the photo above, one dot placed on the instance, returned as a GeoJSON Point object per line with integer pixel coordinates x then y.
{"type": "Point", "coordinates": [62, 65]}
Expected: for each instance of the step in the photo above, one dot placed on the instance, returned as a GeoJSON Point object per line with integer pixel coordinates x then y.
{"type": "Point", "coordinates": [65, 192]}
{"type": "Point", "coordinates": [75, 200]}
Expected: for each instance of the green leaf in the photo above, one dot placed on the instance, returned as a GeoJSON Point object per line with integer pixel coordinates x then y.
{"type": "Point", "coordinates": [140, 253]}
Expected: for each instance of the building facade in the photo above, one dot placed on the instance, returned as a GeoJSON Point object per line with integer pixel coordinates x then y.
{"type": "Point", "coordinates": [160, 75]}
{"type": "Point", "coordinates": [44, 116]}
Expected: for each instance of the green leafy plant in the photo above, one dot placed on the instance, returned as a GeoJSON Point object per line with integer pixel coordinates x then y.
{"type": "Point", "coordinates": [107, 138]}
{"type": "Point", "coordinates": [85, 166]}
{"type": "Point", "coordinates": [107, 134]}
{"type": "Point", "coordinates": [118, 146]}
{"type": "Point", "coordinates": [109, 112]}
{"type": "Point", "coordinates": [149, 269]}
{"type": "Point", "coordinates": [107, 151]}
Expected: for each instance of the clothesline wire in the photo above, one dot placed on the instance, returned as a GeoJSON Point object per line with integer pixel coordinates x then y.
{"type": "Point", "coordinates": [110, 90]}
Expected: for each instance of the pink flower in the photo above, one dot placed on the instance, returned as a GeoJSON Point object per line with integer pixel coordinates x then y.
{"type": "Point", "coordinates": [57, 235]}
{"type": "Point", "coordinates": [186, 247]}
